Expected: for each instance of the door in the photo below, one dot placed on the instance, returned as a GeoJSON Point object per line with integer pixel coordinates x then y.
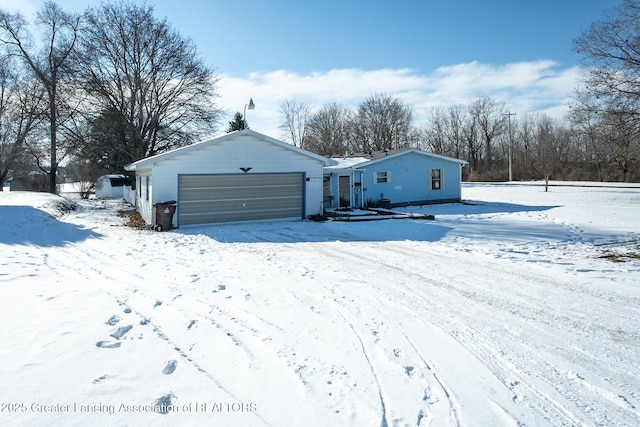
{"type": "Point", "coordinates": [344, 191]}
{"type": "Point", "coordinates": [204, 199]}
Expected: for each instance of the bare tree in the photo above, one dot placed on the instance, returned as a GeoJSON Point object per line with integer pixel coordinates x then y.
{"type": "Point", "coordinates": [489, 117]}
{"type": "Point", "coordinates": [296, 117]}
{"type": "Point", "coordinates": [471, 135]}
{"type": "Point", "coordinates": [623, 132]}
{"type": "Point", "coordinates": [151, 90]}
{"type": "Point", "coordinates": [445, 132]}
{"type": "Point", "coordinates": [587, 121]}
{"type": "Point", "coordinates": [611, 54]}
{"type": "Point", "coordinates": [434, 135]}
{"type": "Point", "coordinates": [382, 123]}
{"type": "Point", "coordinates": [328, 130]}
{"type": "Point", "coordinates": [21, 110]}
{"type": "Point", "coordinates": [550, 153]}
{"type": "Point", "coordinates": [47, 63]}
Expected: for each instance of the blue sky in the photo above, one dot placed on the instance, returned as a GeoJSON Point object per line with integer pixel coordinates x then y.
{"type": "Point", "coordinates": [305, 36]}
{"type": "Point", "coordinates": [428, 53]}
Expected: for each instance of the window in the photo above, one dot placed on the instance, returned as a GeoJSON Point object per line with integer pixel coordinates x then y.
{"type": "Point", "coordinates": [146, 188]}
{"type": "Point", "coordinates": [326, 187]}
{"type": "Point", "coordinates": [119, 181]}
{"type": "Point", "coordinates": [381, 177]}
{"type": "Point", "coordinates": [435, 178]}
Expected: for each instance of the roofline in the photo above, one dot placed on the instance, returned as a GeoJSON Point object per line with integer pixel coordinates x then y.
{"type": "Point", "coordinates": [146, 163]}
{"type": "Point", "coordinates": [403, 152]}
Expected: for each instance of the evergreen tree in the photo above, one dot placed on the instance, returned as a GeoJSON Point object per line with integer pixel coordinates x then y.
{"type": "Point", "coordinates": [238, 123]}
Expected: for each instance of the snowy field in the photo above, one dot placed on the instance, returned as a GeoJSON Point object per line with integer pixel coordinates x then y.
{"type": "Point", "coordinates": [519, 307]}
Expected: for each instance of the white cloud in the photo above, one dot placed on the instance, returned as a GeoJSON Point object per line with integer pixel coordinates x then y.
{"type": "Point", "coordinates": [524, 87]}
{"type": "Point", "coordinates": [27, 8]}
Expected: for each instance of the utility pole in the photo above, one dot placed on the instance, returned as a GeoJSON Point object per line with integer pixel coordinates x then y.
{"type": "Point", "coordinates": [509, 114]}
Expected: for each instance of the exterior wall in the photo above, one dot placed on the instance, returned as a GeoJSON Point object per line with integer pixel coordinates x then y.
{"type": "Point", "coordinates": [228, 157]}
{"type": "Point", "coordinates": [409, 180]}
{"type": "Point", "coordinates": [144, 195]}
{"type": "Point", "coordinates": [129, 195]}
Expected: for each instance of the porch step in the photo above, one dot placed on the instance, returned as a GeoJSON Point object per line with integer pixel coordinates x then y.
{"type": "Point", "coordinates": [375, 214]}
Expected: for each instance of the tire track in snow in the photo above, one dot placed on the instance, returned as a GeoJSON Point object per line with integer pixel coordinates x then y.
{"type": "Point", "coordinates": [365, 353]}
{"type": "Point", "coordinates": [433, 391]}
{"type": "Point", "coordinates": [453, 404]}
{"type": "Point", "coordinates": [457, 329]}
{"type": "Point", "coordinates": [493, 356]}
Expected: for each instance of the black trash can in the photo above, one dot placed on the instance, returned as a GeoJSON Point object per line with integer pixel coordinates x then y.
{"type": "Point", "coordinates": [164, 215]}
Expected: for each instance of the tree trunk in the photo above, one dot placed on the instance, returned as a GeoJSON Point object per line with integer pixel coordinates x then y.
{"type": "Point", "coordinates": [546, 183]}
{"type": "Point", "coordinates": [53, 173]}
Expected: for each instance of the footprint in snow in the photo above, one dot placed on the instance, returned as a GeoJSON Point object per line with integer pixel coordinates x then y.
{"type": "Point", "coordinates": [113, 320]}
{"type": "Point", "coordinates": [107, 344]}
{"type": "Point", "coordinates": [409, 370]}
{"type": "Point", "coordinates": [165, 403]}
{"type": "Point", "coordinates": [101, 379]}
{"type": "Point", "coordinates": [169, 367]}
{"type": "Point", "coordinates": [121, 331]}
{"type": "Point", "coordinates": [220, 288]}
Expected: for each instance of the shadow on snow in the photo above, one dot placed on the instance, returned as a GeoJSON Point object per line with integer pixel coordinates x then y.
{"type": "Point", "coordinates": [25, 225]}
{"type": "Point", "coordinates": [369, 231]}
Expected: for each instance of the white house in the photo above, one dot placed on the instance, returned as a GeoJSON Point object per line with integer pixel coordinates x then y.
{"type": "Point", "coordinates": [406, 177]}
{"type": "Point", "coordinates": [239, 176]}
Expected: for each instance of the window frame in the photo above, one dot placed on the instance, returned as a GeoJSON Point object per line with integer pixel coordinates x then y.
{"type": "Point", "coordinates": [436, 183]}
{"type": "Point", "coordinates": [382, 177]}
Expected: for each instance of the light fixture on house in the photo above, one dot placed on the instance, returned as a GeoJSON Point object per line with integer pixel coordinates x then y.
{"type": "Point", "coordinates": [251, 106]}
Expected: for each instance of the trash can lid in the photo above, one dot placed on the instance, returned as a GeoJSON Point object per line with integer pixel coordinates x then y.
{"type": "Point", "coordinates": [168, 202]}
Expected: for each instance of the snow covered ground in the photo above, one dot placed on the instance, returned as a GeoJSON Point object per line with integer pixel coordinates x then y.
{"type": "Point", "coordinates": [518, 308]}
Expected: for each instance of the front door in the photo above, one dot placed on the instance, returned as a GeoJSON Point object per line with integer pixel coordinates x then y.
{"type": "Point", "coordinates": [344, 190]}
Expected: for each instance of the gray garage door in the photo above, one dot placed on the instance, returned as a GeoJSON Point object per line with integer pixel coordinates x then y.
{"type": "Point", "coordinates": [204, 199]}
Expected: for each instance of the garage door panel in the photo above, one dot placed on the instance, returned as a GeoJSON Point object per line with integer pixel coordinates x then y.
{"type": "Point", "coordinates": [238, 197]}
{"type": "Point", "coordinates": [290, 204]}
{"type": "Point", "coordinates": [232, 193]}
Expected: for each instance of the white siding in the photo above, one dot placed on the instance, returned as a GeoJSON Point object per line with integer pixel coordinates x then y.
{"type": "Point", "coordinates": [144, 205]}
{"type": "Point", "coordinates": [228, 157]}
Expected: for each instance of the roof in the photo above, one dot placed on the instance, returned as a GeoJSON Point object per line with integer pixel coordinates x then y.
{"type": "Point", "coordinates": [119, 175]}
{"type": "Point", "coordinates": [346, 163]}
{"type": "Point", "coordinates": [361, 161]}
{"type": "Point", "coordinates": [149, 161]}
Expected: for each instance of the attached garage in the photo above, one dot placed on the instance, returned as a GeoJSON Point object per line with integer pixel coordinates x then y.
{"type": "Point", "coordinates": [239, 176]}
{"type": "Point", "coordinates": [240, 197]}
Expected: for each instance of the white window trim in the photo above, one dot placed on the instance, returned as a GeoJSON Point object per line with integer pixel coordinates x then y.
{"type": "Point", "coordinates": [387, 176]}
{"type": "Point", "coordinates": [441, 179]}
